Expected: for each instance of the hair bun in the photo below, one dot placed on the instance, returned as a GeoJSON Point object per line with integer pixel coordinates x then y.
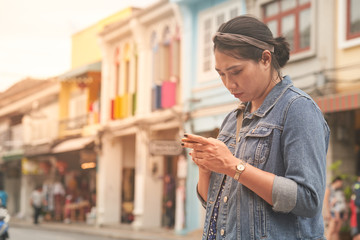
{"type": "Point", "coordinates": [281, 50]}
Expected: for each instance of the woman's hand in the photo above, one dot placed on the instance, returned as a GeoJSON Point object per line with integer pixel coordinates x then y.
{"type": "Point", "coordinates": [210, 154]}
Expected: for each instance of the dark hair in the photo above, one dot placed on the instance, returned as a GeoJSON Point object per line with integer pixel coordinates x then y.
{"type": "Point", "coordinates": [252, 27]}
{"type": "Point", "coordinates": [337, 178]}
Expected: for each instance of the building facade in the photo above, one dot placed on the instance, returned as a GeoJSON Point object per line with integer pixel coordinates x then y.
{"type": "Point", "coordinates": [206, 101]}
{"type": "Point", "coordinates": [304, 23]}
{"type": "Point", "coordinates": [77, 147]}
{"type": "Point", "coordinates": [342, 106]}
{"type": "Point", "coordinates": [142, 119]}
{"type": "Point", "coordinates": [29, 128]}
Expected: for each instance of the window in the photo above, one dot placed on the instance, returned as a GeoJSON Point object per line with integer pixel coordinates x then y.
{"type": "Point", "coordinates": [77, 109]}
{"type": "Point", "coordinates": [155, 58]}
{"type": "Point", "coordinates": [175, 66]}
{"type": "Point", "coordinates": [126, 88]}
{"type": "Point", "coordinates": [209, 22]}
{"type": "Point", "coordinates": [353, 19]}
{"type": "Point", "coordinates": [165, 63]}
{"type": "Point", "coordinates": [348, 23]}
{"type": "Point", "coordinates": [117, 70]}
{"type": "Point", "coordinates": [165, 51]}
{"type": "Point", "coordinates": [291, 19]}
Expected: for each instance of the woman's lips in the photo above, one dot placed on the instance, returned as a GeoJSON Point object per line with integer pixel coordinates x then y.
{"type": "Point", "coordinates": [237, 95]}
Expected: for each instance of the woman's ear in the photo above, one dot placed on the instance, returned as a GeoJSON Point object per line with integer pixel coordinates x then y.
{"type": "Point", "coordinates": [266, 58]}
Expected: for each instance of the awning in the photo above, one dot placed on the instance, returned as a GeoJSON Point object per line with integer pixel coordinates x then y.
{"type": "Point", "coordinates": [17, 154]}
{"type": "Point", "coordinates": [338, 102]}
{"type": "Point", "coordinates": [78, 73]}
{"type": "Point", "coordinates": [40, 149]}
{"type": "Point", "coordinates": [72, 144]}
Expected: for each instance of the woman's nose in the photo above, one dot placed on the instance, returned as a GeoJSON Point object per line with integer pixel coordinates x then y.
{"type": "Point", "coordinates": [229, 84]}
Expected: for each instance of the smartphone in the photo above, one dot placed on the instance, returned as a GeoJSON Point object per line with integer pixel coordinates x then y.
{"type": "Point", "coordinates": [185, 140]}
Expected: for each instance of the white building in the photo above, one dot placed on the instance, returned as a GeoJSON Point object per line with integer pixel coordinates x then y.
{"type": "Point", "coordinates": [28, 123]}
{"type": "Point", "coordinates": [141, 118]}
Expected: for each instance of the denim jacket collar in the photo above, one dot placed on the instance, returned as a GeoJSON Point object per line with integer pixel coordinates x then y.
{"type": "Point", "coordinates": [271, 99]}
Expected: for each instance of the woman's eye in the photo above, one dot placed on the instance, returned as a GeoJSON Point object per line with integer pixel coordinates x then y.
{"type": "Point", "coordinates": [235, 73]}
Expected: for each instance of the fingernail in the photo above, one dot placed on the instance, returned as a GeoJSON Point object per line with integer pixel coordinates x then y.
{"type": "Point", "coordinates": [185, 135]}
{"type": "Point", "coordinates": [182, 144]}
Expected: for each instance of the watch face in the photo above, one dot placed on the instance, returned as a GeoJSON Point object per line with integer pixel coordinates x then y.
{"type": "Point", "coordinates": [240, 167]}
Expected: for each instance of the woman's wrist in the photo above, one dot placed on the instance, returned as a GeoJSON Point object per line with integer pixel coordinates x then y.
{"type": "Point", "coordinates": [231, 168]}
{"type": "Point", "coordinates": [204, 172]}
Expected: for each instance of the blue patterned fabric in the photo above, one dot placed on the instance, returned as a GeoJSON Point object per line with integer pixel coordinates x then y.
{"type": "Point", "coordinates": [214, 215]}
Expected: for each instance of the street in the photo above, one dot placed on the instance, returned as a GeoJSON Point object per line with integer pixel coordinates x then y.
{"type": "Point", "coordinates": [17, 233]}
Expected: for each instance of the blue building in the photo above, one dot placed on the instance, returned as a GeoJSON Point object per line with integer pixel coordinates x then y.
{"type": "Point", "coordinates": [206, 100]}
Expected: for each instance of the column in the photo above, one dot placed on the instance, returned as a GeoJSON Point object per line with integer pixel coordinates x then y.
{"type": "Point", "coordinates": [109, 181]}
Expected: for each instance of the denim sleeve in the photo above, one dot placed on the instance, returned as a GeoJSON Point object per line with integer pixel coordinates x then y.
{"type": "Point", "coordinates": [304, 145]}
{"type": "Point", "coordinates": [202, 201]}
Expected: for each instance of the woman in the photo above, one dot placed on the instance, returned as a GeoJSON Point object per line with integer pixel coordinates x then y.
{"type": "Point", "coordinates": [335, 208]}
{"type": "Point", "coordinates": [268, 183]}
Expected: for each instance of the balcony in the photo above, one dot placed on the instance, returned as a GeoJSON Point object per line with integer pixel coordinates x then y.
{"type": "Point", "coordinates": [11, 143]}
{"type": "Point", "coordinates": [73, 126]}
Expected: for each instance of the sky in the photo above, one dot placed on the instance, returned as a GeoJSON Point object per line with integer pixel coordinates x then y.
{"type": "Point", "coordinates": [35, 36]}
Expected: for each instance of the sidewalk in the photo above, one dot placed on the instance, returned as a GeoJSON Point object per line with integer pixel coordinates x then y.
{"type": "Point", "coordinates": [118, 232]}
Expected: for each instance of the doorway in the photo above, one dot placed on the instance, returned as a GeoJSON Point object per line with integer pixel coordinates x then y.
{"type": "Point", "coordinates": [128, 179]}
{"type": "Point", "coordinates": [169, 193]}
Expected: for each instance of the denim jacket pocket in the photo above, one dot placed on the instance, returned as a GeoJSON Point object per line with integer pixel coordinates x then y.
{"type": "Point", "coordinates": [260, 138]}
{"type": "Point", "coordinates": [228, 139]}
{"type": "Point", "coordinates": [261, 217]}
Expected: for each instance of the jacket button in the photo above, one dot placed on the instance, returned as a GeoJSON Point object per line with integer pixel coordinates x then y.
{"type": "Point", "coordinates": [222, 232]}
{"type": "Point", "coordinates": [225, 199]}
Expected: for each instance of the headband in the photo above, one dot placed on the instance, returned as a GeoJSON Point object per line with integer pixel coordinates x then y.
{"type": "Point", "coordinates": [243, 38]}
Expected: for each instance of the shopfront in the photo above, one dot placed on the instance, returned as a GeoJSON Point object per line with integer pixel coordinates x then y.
{"type": "Point", "coordinates": [127, 178]}
{"type": "Point", "coordinates": [342, 112]}
{"type": "Point", "coordinates": [165, 151]}
{"type": "Point", "coordinates": [11, 181]}
{"type": "Point", "coordinates": [73, 190]}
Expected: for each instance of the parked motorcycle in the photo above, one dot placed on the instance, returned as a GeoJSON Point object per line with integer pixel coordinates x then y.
{"type": "Point", "coordinates": [4, 223]}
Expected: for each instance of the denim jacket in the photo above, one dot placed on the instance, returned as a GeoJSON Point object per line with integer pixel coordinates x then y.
{"type": "Point", "coordinates": [287, 136]}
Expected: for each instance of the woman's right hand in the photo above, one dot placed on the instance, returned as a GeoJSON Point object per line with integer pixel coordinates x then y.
{"type": "Point", "coordinates": [191, 144]}
{"type": "Point", "coordinates": [202, 169]}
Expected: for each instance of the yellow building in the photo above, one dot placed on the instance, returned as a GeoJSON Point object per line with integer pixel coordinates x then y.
{"type": "Point", "coordinates": [85, 46]}
{"type": "Point", "coordinates": [76, 149]}
{"type": "Point", "coordinates": [80, 87]}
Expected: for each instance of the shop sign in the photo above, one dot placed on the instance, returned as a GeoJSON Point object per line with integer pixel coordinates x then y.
{"type": "Point", "coordinates": [29, 167]}
{"type": "Point", "coordinates": [37, 149]}
{"type": "Point", "coordinates": [165, 147]}
{"type": "Point", "coordinates": [87, 159]}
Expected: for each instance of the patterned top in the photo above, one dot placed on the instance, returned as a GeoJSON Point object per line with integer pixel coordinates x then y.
{"type": "Point", "coordinates": [214, 215]}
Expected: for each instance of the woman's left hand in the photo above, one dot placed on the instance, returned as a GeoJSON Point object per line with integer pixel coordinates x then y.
{"type": "Point", "coordinates": [210, 153]}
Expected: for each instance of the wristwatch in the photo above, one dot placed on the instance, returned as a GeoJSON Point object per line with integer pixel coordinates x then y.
{"type": "Point", "coordinates": [239, 169]}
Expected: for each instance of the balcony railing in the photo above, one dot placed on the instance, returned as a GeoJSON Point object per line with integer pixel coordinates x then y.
{"type": "Point", "coordinates": [74, 123]}
{"type": "Point", "coordinates": [9, 140]}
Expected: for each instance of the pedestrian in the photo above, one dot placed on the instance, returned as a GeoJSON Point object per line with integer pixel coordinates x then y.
{"type": "Point", "coordinates": [4, 222]}
{"type": "Point", "coordinates": [335, 208]}
{"type": "Point", "coordinates": [355, 233]}
{"type": "Point", "coordinates": [355, 210]}
{"type": "Point", "coordinates": [265, 178]}
{"type": "Point", "coordinates": [37, 201]}
{"type": "Point", "coordinates": [3, 197]}
{"type": "Point", "coordinates": [169, 201]}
